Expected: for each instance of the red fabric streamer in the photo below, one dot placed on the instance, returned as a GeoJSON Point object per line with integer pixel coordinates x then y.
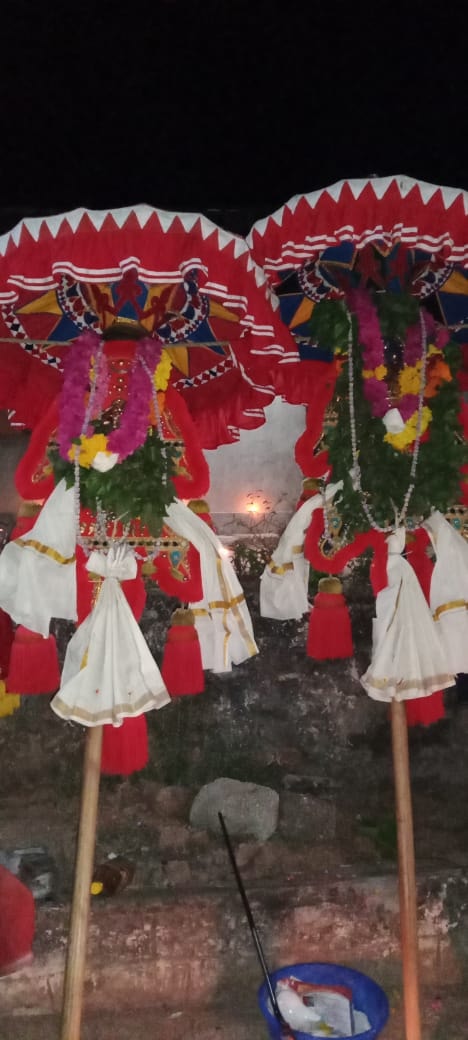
{"type": "Point", "coordinates": [193, 476]}
{"type": "Point", "coordinates": [125, 747]}
{"type": "Point", "coordinates": [306, 382]}
{"type": "Point", "coordinates": [34, 666]}
{"type": "Point", "coordinates": [336, 563]}
{"type": "Point", "coordinates": [312, 462]}
{"type": "Point", "coordinates": [34, 478]}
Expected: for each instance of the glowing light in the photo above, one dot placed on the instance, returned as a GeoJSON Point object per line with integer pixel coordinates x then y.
{"type": "Point", "coordinates": [253, 507]}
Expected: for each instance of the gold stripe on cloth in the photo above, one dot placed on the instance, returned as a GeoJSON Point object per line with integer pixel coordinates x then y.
{"type": "Point", "coordinates": [98, 718]}
{"type": "Point", "coordinates": [226, 604]}
{"type": "Point", "coordinates": [280, 568]}
{"type": "Point", "coordinates": [455, 604]}
{"type": "Point", "coordinates": [424, 685]}
{"type": "Point", "coordinates": [30, 543]}
{"type": "Point", "coordinates": [230, 603]}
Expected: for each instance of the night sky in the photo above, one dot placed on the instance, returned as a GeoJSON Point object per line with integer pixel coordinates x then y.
{"type": "Point", "coordinates": [223, 106]}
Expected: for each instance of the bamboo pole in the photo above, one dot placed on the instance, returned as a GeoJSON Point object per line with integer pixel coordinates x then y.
{"type": "Point", "coordinates": [77, 939]}
{"type": "Point", "coordinates": [407, 872]}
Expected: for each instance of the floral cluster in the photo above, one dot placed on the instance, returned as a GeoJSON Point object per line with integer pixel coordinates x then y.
{"type": "Point", "coordinates": [405, 395]}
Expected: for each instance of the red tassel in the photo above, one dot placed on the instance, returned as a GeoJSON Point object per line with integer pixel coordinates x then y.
{"type": "Point", "coordinates": [329, 636]}
{"type": "Point", "coordinates": [17, 915]}
{"type": "Point", "coordinates": [34, 666]}
{"type": "Point", "coordinates": [310, 487]}
{"type": "Point", "coordinates": [6, 641]}
{"type": "Point", "coordinates": [182, 668]}
{"type": "Point", "coordinates": [423, 711]}
{"type": "Point", "coordinates": [125, 747]}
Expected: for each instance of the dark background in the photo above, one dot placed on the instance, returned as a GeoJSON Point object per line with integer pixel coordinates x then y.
{"type": "Point", "coordinates": [224, 107]}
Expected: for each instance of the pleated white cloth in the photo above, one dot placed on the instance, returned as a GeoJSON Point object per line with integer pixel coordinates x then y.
{"type": "Point", "coordinates": [408, 658]}
{"type": "Point", "coordinates": [109, 673]}
{"type": "Point", "coordinates": [222, 618]}
{"type": "Point", "coordinates": [284, 582]}
{"type": "Point", "coordinates": [38, 572]}
{"type": "Point", "coordinates": [449, 589]}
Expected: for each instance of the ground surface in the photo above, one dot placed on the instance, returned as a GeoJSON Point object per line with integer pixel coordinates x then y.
{"type": "Point", "coordinates": [310, 733]}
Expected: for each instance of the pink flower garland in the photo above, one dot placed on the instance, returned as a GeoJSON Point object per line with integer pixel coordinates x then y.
{"type": "Point", "coordinates": [76, 382]}
{"type": "Point", "coordinates": [369, 334]}
{"type": "Point", "coordinates": [133, 429]}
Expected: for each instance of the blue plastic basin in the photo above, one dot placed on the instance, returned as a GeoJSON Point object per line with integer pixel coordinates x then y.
{"type": "Point", "coordinates": [368, 996]}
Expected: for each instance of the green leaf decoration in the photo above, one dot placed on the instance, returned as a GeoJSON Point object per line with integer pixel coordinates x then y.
{"type": "Point", "coordinates": [139, 487]}
{"type": "Point", "coordinates": [385, 471]}
{"type": "Point", "coordinates": [329, 325]}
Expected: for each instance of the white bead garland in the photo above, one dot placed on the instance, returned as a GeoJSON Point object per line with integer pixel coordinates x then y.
{"type": "Point", "coordinates": [76, 459]}
{"type": "Point", "coordinates": [356, 470]}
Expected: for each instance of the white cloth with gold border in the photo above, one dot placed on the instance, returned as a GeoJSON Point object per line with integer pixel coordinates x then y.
{"type": "Point", "coordinates": [109, 673]}
{"type": "Point", "coordinates": [449, 589]}
{"type": "Point", "coordinates": [38, 571]}
{"type": "Point", "coordinates": [222, 618]}
{"type": "Point", "coordinates": [284, 582]}
{"type": "Point", "coordinates": [408, 657]}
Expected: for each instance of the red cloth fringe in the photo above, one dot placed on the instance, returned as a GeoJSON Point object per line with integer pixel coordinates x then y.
{"type": "Point", "coordinates": [125, 747]}
{"type": "Point", "coordinates": [17, 921]}
{"type": "Point", "coordinates": [329, 635]}
{"type": "Point", "coordinates": [6, 641]}
{"type": "Point", "coordinates": [193, 475]}
{"type": "Point", "coordinates": [34, 666]}
{"type": "Point", "coordinates": [182, 668]}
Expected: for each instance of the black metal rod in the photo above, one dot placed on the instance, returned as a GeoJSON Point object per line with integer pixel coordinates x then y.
{"type": "Point", "coordinates": [250, 919]}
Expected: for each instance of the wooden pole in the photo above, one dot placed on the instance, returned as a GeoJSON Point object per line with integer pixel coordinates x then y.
{"type": "Point", "coordinates": [407, 872]}
{"type": "Point", "coordinates": [77, 939]}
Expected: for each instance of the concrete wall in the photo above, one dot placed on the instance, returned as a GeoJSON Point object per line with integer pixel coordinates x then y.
{"type": "Point", "coordinates": [255, 483]}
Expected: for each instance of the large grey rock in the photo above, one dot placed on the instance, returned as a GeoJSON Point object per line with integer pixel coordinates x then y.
{"type": "Point", "coordinates": [248, 809]}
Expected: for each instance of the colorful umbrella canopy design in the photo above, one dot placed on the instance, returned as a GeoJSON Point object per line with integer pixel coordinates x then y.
{"type": "Point", "coordinates": [177, 278]}
{"type": "Point", "coordinates": [391, 233]}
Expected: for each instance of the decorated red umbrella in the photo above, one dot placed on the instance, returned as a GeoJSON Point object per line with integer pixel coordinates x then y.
{"type": "Point", "coordinates": [129, 341]}
{"type": "Point", "coordinates": [372, 282]}
{"type": "Point", "coordinates": [178, 278]}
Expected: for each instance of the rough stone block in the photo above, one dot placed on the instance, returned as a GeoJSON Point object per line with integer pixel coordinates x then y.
{"type": "Point", "coordinates": [248, 809]}
{"type": "Point", "coordinates": [178, 872]}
